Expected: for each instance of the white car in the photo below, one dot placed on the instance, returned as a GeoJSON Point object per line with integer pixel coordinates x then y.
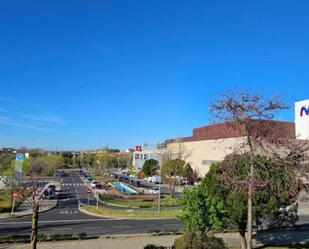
{"type": "Point", "coordinates": [94, 183]}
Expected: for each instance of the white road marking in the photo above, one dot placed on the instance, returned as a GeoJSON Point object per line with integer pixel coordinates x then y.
{"type": "Point", "coordinates": [52, 221]}
{"type": "Point", "coordinates": [121, 226]}
{"type": "Point", "coordinates": [64, 228]}
{"type": "Point", "coordinates": [93, 227]}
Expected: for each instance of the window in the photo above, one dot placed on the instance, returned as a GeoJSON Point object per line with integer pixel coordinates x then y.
{"type": "Point", "coordinates": [136, 156]}
{"type": "Point", "coordinates": [208, 162]}
{"type": "Point", "coordinates": [145, 156]}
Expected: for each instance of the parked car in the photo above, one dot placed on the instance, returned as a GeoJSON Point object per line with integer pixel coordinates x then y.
{"type": "Point", "coordinates": [156, 179]}
{"type": "Point", "coordinates": [94, 183]}
{"type": "Point", "coordinates": [99, 186]}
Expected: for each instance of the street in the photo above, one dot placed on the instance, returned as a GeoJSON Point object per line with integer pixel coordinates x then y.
{"type": "Point", "coordinates": [66, 217]}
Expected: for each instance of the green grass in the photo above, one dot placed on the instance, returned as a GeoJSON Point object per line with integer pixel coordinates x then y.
{"type": "Point", "coordinates": [6, 200]}
{"type": "Point", "coordinates": [133, 214]}
{"type": "Point", "coordinates": [167, 202]}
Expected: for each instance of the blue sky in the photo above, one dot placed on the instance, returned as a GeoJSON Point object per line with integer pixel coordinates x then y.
{"type": "Point", "coordinates": [86, 74]}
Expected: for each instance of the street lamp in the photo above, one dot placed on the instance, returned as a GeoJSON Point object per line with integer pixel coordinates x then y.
{"type": "Point", "coordinates": [160, 173]}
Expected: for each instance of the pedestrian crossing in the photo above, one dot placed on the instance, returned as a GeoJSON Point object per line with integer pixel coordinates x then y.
{"type": "Point", "coordinates": [73, 184]}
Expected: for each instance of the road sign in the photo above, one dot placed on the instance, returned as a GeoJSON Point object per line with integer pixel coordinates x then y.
{"type": "Point", "coordinates": [89, 191]}
{"type": "Point", "coordinates": [19, 165]}
{"type": "Point", "coordinates": [20, 156]}
{"type": "Point", "coordinates": [14, 195]}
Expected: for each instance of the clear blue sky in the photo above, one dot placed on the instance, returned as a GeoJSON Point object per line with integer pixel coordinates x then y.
{"type": "Point", "coordinates": [85, 74]}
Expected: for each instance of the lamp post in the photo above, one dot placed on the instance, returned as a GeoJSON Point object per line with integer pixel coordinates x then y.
{"type": "Point", "coordinates": [160, 173]}
{"type": "Point", "coordinates": [159, 195]}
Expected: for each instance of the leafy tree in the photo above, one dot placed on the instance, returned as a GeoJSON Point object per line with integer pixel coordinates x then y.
{"type": "Point", "coordinates": [190, 174]}
{"type": "Point", "coordinates": [150, 167]}
{"type": "Point", "coordinates": [7, 164]}
{"type": "Point", "coordinates": [171, 168]}
{"type": "Point", "coordinates": [45, 165]}
{"type": "Point", "coordinates": [203, 205]}
{"type": "Point", "coordinates": [221, 198]}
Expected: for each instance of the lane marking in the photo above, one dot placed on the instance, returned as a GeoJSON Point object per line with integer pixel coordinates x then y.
{"type": "Point", "coordinates": [121, 226]}
{"type": "Point", "coordinates": [60, 229]}
{"type": "Point", "coordinates": [94, 227]}
{"type": "Point", "coordinates": [54, 221]}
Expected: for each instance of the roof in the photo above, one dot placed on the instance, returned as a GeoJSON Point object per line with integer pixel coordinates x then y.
{"type": "Point", "coordinates": [223, 130]}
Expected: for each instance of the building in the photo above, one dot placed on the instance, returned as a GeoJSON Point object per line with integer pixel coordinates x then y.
{"type": "Point", "coordinates": [302, 119]}
{"type": "Point", "coordinates": [211, 143]}
{"type": "Point", "coordinates": [140, 156]}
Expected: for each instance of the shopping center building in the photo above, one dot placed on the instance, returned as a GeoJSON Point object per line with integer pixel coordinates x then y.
{"type": "Point", "coordinates": [211, 143]}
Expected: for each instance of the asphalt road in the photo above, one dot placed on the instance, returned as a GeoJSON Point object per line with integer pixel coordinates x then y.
{"type": "Point", "coordinates": [66, 217]}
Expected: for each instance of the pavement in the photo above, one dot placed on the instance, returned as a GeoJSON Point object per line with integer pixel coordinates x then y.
{"type": "Point", "coordinates": [136, 242]}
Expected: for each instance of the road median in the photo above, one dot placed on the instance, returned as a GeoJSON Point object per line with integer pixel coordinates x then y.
{"type": "Point", "coordinates": [130, 213]}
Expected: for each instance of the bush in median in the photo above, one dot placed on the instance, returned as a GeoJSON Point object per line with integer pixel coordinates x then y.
{"type": "Point", "coordinates": [81, 235]}
{"type": "Point", "coordinates": [198, 240]}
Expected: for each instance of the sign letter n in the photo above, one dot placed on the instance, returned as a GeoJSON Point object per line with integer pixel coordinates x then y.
{"type": "Point", "coordinates": [304, 109]}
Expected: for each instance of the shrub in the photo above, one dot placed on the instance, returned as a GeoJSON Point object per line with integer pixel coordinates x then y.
{"type": "Point", "coordinates": [42, 236]}
{"type": "Point", "coordinates": [171, 230]}
{"type": "Point", "coordinates": [154, 231]}
{"type": "Point", "coordinates": [81, 235]}
{"type": "Point", "coordinates": [55, 236]}
{"type": "Point", "coordinates": [154, 246]}
{"type": "Point", "coordinates": [67, 236]}
{"type": "Point", "coordinates": [171, 201]}
{"type": "Point", "coordinates": [198, 240]}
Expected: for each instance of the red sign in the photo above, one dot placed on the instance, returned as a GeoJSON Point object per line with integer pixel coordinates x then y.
{"type": "Point", "coordinates": [138, 148]}
{"type": "Point", "coordinates": [14, 195]}
{"type": "Point", "coordinates": [89, 191]}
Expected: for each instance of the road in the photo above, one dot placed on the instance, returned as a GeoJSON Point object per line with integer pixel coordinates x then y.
{"type": "Point", "coordinates": [66, 217]}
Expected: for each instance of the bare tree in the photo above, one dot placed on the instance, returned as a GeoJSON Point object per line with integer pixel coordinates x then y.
{"type": "Point", "coordinates": [250, 116]}
{"type": "Point", "coordinates": [28, 192]}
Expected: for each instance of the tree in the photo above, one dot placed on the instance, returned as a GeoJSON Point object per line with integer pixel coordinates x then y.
{"type": "Point", "coordinates": [190, 174]}
{"type": "Point", "coordinates": [150, 167]}
{"type": "Point", "coordinates": [250, 115]}
{"type": "Point", "coordinates": [220, 201]}
{"type": "Point", "coordinates": [171, 169]}
{"type": "Point", "coordinates": [45, 165]}
{"type": "Point", "coordinates": [203, 205]}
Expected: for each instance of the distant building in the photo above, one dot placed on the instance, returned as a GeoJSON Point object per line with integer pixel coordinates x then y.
{"type": "Point", "coordinates": [140, 156]}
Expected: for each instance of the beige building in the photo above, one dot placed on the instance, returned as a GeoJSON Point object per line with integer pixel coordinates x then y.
{"type": "Point", "coordinates": [212, 143]}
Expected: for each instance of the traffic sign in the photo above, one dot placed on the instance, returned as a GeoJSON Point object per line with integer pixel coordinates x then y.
{"type": "Point", "coordinates": [14, 195]}
{"type": "Point", "coordinates": [20, 156]}
{"type": "Point", "coordinates": [89, 191]}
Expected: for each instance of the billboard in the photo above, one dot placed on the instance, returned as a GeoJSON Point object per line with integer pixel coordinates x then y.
{"type": "Point", "coordinates": [302, 119]}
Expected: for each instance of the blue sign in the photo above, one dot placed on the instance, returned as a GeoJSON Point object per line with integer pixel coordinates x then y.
{"type": "Point", "coordinates": [20, 156]}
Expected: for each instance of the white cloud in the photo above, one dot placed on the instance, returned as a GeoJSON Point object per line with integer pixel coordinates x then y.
{"type": "Point", "coordinates": [9, 122]}
{"type": "Point", "coordinates": [47, 118]}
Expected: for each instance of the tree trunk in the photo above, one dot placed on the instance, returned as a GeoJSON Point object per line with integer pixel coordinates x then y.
{"type": "Point", "coordinates": [250, 206]}
{"type": "Point", "coordinates": [243, 242]}
{"type": "Point", "coordinates": [34, 229]}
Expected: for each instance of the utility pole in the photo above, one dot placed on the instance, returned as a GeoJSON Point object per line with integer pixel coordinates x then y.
{"type": "Point", "coordinates": [160, 173]}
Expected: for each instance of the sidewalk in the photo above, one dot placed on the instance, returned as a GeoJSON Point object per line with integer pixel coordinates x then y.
{"type": "Point", "coordinates": [25, 207]}
{"type": "Point", "coordinates": [120, 242]}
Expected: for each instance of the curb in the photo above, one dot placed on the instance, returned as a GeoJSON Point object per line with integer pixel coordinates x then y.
{"type": "Point", "coordinates": [124, 218]}
{"type": "Point", "coordinates": [98, 215]}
